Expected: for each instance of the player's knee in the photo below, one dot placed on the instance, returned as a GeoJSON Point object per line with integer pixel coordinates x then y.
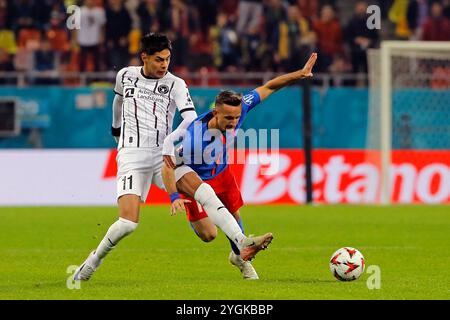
{"type": "Point", "coordinates": [129, 208]}
{"type": "Point", "coordinates": [208, 235]}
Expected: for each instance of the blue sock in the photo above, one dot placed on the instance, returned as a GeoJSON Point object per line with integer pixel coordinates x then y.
{"type": "Point", "coordinates": [233, 245]}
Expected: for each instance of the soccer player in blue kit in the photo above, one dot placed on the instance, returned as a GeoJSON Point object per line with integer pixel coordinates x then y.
{"type": "Point", "coordinates": [199, 170]}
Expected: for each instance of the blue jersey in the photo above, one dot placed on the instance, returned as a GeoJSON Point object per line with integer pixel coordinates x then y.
{"type": "Point", "coordinates": [205, 151]}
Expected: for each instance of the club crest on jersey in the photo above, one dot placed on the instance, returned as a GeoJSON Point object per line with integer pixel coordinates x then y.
{"type": "Point", "coordinates": [248, 99]}
{"type": "Point", "coordinates": [163, 89]}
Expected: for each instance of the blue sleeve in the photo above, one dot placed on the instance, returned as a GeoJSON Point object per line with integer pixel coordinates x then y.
{"type": "Point", "coordinates": [250, 100]}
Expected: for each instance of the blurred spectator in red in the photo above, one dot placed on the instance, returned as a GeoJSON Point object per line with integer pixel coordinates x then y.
{"type": "Point", "coordinates": [329, 38]}
{"type": "Point", "coordinates": [309, 8]}
{"type": "Point", "coordinates": [91, 36]}
{"type": "Point", "coordinates": [360, 38]}
{"type": "Point", "coordinates": [229, 7]}
{"type": "Point", "coordinates": [436, 27]}
{"type": "Point", "coordinates": [118, 26]}
{"type": "Point", "coordinates": [57, 32]}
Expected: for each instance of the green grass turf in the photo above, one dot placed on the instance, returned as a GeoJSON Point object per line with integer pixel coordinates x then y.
{"type": "Point", "coordinates": [163, 259]}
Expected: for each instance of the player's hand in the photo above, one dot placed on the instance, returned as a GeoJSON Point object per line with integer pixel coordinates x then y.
{"type": "Point", "coordinates": [178, 205]}
{"type": "Point", "coordinates": [307, 69]}
{"type": "Point", "coordinates": [169, 161]}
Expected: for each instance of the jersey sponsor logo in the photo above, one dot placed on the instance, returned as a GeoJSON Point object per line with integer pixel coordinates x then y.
{"type": "Point", "coordinates": [129, 92]}
{"type": "Point", "coordinates": [149, 95]}
{"type": "Point", "coordinates": [163, 89]}
{"type": "Point", "coordinates": [248, 99]}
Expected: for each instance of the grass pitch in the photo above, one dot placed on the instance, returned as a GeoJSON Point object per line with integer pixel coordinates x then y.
{"type": "Point", "coordinates": [164, 259]}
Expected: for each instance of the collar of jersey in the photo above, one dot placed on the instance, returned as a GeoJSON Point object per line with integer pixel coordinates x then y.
{"type": "Point", "coordinates": [150, 78]}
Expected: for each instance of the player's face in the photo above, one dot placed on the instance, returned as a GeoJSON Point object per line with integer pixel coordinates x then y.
{"type": "Point", "coordinates": [157, 64]}
{"type": "Point", "coordinates": [227, 117]}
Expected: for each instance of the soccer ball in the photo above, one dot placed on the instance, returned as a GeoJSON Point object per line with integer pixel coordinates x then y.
{"type": "Point", "coordinates": [347, 264]}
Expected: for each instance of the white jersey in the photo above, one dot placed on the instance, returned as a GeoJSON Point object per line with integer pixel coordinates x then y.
{"type": "Point", "coordinates": [149, 106]}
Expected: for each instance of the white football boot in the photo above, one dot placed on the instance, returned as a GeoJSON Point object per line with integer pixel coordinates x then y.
{"type": "Point", "coordinates": [246, 268]}
{"type": "Point", "coordinates": [85, 271]}
{"type": "Point", "coordinates": [252, 245]}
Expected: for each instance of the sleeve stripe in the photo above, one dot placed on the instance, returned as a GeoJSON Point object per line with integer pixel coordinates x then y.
{"type": "Point", "coordinates": [187, 109]}
{"type": "Point", "coordinates": [117, 93]}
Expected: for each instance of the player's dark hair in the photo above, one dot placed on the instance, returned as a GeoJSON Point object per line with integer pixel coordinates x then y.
{"type": "Point", "coordinates": [155, 42]}
{"type": "Point", "coordinates": [229, 97]}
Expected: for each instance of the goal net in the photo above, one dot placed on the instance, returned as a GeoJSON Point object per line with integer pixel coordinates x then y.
{"type": "Point", "coordinates": [409, 116]}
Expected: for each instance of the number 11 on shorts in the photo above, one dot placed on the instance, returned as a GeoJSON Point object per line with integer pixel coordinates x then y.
{"type": "Point", "coordinates": [124, 179]}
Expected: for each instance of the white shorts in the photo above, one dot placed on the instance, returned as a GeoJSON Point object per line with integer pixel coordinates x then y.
{"type": "Point", "coordinates": [137, 170]}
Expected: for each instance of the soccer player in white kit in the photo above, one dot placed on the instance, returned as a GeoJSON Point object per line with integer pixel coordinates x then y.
{"type": "Point", "coordinates": [144, 105]}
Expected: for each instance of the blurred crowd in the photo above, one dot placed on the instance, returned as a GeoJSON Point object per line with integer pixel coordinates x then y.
{"type": "Point", "coordinates": [223, 35]}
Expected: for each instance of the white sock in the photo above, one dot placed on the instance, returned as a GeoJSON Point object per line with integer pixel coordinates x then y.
{"type": "Point", "coordinates": [218, 214]}
{"type": "Point", "coordinates": [118, 230]}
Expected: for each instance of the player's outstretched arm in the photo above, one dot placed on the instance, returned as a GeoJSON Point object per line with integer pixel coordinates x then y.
{"type": "Point", "coordinates": [282, 81]}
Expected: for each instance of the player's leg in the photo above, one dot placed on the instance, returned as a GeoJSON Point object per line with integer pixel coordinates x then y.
{"type": "Point", "coordinates": [245, 267]}
{"type": "Point", "coordinates": [238, 219]}
{"type": "Point", "coordinates": [132, 189]}
{"type": "Point", "coordinates": [192, 186]}
{"type": "Point", "coordinates": [129, 206]}
{"type": "Point", "coordinates": [232, 199]}
{"type": "Point", "coordinates": [204, 229]}
{"type": "Point", "coordinates": [199, 221]}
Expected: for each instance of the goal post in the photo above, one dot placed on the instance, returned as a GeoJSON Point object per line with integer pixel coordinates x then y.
{"type": "Point", "coordinates": [403, 75]}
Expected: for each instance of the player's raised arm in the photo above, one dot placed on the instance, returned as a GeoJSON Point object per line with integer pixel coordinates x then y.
{"type": "Point", "coordinates": [282, 81]}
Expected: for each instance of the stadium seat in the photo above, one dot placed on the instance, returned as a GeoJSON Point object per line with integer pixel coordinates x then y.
{"type": "Point", "coordinates": [29, 38]}
{"type": "Point", "coordinates": [59, 39]}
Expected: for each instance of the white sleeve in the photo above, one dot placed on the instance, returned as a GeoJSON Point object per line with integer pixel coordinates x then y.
{"type": "Point", "coordinates": [117, 111]}
{"type": "Point", "coordinates": [118, 88]}
{"type": "Point", "coordinates": [178, 133]}
{"type": "Point", "coordinates": [186, 108]}
{"type": "Point", "coordinates": [182, 97]}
